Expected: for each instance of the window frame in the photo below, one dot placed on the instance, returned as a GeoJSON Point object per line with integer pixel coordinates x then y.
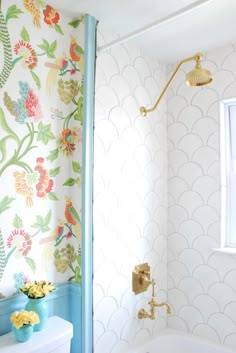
{"type": "Point", "coordinates": [226, 174]}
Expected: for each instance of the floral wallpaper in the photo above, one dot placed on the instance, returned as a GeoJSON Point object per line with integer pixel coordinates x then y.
{"type": "Point", "coordinates": [41, 104]}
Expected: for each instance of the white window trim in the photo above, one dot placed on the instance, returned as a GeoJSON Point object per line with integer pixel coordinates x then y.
{"type": "Point", "coordinates": [226, 247]}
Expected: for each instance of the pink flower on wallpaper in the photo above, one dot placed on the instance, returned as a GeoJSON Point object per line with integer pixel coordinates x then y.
{"type": "Point", "coordinates": [24, 50]}
{"type": "Point", "coordinates": [45, 184]}
{"type": "Point", "coordinates": [20, 240]}
{"type": "Point", "coordinates": [68, 235]}
{"type": "Point", "coordinates": [33, 107]}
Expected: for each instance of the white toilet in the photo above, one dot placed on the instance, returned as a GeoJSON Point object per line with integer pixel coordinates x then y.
{"type": "Point", "coordinates": [54, 338]}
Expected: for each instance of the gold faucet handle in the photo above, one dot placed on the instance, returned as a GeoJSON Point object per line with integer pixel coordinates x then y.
{"type": "Point", "coordinates": [141, 278]}
{"type": "Point", "coordinates": [153, 283]}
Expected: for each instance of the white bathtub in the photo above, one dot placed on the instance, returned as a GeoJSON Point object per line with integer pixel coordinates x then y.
{"type": "Point", "coordinates": [174, 342]}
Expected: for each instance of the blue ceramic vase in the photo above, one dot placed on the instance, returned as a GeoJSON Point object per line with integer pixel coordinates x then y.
{"type": "Point", "coordinates": [24, 333]}
{"type": "Point", "coordinates": [40, 307]}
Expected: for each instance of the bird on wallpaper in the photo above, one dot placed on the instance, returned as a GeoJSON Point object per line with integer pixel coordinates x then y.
{"type": "Point", "coordinates": [58, 66]}
{"type": "Point", "coordinates": [71, 214]}
{"type": "Point", "coordinates": [55, 233]}
{"type": "Point", "coordinates": [75, 50]}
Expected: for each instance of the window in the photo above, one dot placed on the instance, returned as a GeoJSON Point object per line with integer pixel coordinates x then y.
{"type": "Point", "coordinates": [228, 173]}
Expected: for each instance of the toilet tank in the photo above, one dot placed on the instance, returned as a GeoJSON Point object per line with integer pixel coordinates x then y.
{"type": "Point", "coordinates": [54, 338]}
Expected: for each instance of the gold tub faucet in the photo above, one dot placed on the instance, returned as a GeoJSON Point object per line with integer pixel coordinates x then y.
{"type": "Point", "coordinates": [143, 314]}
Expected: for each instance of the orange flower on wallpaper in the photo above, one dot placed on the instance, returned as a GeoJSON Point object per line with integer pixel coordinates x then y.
{"type": "Point", "coordinates": [34, 10]}
{"type": "Point", "coordinates": [23, 187]}
{"type": "Point", "coordinates": [51, 16]}
{"type": "Point", "coordinates": [45, 184]}
{"type": "Point", "coordinates": [28, 54]}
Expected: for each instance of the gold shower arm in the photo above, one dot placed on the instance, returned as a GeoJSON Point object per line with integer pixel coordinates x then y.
{"type": "Point", "coordinates": [197, 58]}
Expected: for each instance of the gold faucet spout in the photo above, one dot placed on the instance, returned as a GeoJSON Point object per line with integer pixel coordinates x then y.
{"type": "Point", "coordinates": [168, 308]}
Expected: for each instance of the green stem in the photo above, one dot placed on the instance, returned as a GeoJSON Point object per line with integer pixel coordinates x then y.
{"type": "Point", "coordinates": [24, 166]}
{"type": "Point", "coordinates": [74, 101]}
{"type": "Point", "coordinates": [64, 72]}
{"type": "Point", "coordinates": [16, 60]}
{"type": "Point", "coordinates": [31, 136]}
{"type": "Point", "coordinates": [59, 241]}
{"type": "Point", "coordinates": [9, 254]}
{"type": "Point", "coordinates": [70, 229]}
{"type": "Point", "coordinates": [67, 119]}
{"type": "Point", "coordinates": [10, 162]}
{"type": "Point", "coordinates": [71, 267]}
{"type": "Point", "coordinates": [73, 64]}
{"type": "Point", "coordinates": [15, 160]}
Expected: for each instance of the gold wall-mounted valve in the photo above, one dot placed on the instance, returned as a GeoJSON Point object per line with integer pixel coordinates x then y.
{"type": "Point", "coordinates": [141, 278]}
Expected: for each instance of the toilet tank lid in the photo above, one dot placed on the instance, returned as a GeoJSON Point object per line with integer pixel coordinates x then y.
{"type": "Point", "coordinates": [56, 332]}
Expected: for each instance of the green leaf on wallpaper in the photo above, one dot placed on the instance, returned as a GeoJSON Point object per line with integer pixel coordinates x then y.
{"type": "Point", "coordinates": [76, 23]}
{"type": "Point", "coordinates": [53, 155]}
{"type": "Point", "coordinates": [2, 255]}
{"type": "Point", "coordinates": [54, 172]}
{"type": "Point", "coordinates": [25, 35]}
{"type": "Point", "coordinates": [81, 88]}
{"type": "Point", "coordinates": [48, 217]}
{"type": "Point", "coordinates": [5, 203]}
{"type": "Point", "coordinates": [77, 274]}
{"type": "Point", "coordinates": [52, 196]}
{"type": "Point", "coordinates": [69, 182]}
{"type": "Point", "coordinates": [1, 36]}
{"type": "Point", "coordinates": [79, 50]}
{"type": "Point", "coordinates": [58, 28]}
{"type": "Point", "coordinates": [36, 79]}
{"type": "Point", "coordinates": [48, 48]}
{"type": "Point", "coordinates": [12, 12]}
{"type": "Point", "coordinates": [80, 110]}
{"type": "Point", "coordinates": [44, 133]}
{"type": "Point", "coordinates": [31, 263]}
{"type": "Point", "coordinates": [17, 222]}
{"type": "Point", "coordinates": [76, 167]}
{"type": "Point", "coordinates": [42, 223]}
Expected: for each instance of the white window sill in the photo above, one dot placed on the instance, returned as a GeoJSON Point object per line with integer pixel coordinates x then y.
{"type": "Point", "coordinates": [229, 251]}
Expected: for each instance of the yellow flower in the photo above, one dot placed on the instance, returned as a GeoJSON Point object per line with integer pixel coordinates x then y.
{"type": "Point", "coordinates": [37, 289]}
{"type": "Point", "coordinates": [24, 317]}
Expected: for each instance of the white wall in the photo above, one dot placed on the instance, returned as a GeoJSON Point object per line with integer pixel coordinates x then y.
{"type": "Point", "coordinates": [201, 283]}
{"type": "Point", "coordinates": [130, 197]}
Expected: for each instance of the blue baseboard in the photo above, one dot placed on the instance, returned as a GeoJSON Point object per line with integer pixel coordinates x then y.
{"type": "Point", "coordinates": [65, 302]}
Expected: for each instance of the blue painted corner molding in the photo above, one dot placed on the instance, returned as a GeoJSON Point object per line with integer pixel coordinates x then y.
{"type": "Point", "coordinates": [87, 179]}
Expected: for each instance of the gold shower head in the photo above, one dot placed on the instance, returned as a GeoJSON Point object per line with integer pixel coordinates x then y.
{"type": "Point", "coordinates": [197, 77]}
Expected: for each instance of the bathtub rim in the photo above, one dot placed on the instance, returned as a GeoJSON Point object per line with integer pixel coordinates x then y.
{"type": "Point", "coordinates": [187, 335]}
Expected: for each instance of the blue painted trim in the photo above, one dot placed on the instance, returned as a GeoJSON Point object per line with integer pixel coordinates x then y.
{"type": "Point", "coordinates": [87, 180]}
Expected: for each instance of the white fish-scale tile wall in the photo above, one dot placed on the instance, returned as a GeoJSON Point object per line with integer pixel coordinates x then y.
{"type": "Point", "coordinates": [130, 204]}
{"type": "Point", "coordinates": [130, 195]}
{"type": "Point", "coordinates": [201, 283]}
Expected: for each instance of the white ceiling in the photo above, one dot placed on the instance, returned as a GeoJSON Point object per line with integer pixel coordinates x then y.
{"type": "Point", "coordinates": [180, 27]}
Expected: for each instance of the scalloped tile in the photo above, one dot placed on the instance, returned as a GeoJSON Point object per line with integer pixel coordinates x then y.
{"type": "Point", "coordinates": [131, 220]}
